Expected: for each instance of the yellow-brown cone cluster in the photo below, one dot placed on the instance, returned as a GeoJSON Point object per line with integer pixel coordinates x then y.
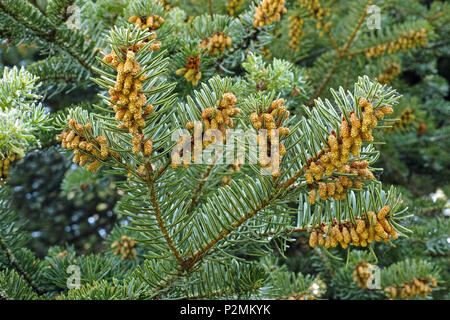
{"type": "Point", "coordinates": [151, 23]}
{"type": "Point", "coordinates": [319, 13]}
{"type": "Point", "coordinates": [216, 44]}
{"type": "Point", "coordinates": [212, 118]}
{"type": "Point", "coordinates": [126, 93]}
{"type": "Point", "coordinates": [296, 32]}
{"type": "Point", "coordinates": [405, 41]}
{"type": "Point", "coordinates": [233, 6]}
{"type": "Point", "coordinates": [416, 287]}
{"type": "Point", "coordinates": [336, 187]}
{"type": "Point", "coordinates": [367, 229]}
{"type": "Point", "coordinates": [336, 155]}
{"type": "Point", "coordinates": [390, 72]}
{"type": "Point", "coordinates": [268, 11]}
{"type": "Point", "coordinates": [406, 118]}
{"type": "Point", "coordinates": [86, 151]}
{"type": "Point", "coordinates": [271, 120]}
{"type": "Point", "coordinates": [4, 166]}
{"type": "Point", "coordinates": [125, 247]}
{"type": "Point", "coordinates": [191, 70]}
{"type": "Point", "coordinates": [266, 53]}
{"type": "Point", "coordinates": [361, 274]}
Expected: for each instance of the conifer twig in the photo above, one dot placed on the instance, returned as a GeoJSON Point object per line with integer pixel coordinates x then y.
{"type": "Point", "coordinates": [13, 260]}
{"type": "Point", "coordinates": [161, 224]}
{"type": "Point", "coordinates": [341, 53]}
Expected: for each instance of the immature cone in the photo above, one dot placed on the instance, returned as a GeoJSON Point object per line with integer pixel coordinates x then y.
{"type": "Point", "coordinates": [233, 6]}
{"type": "Point", "coordinates": [125, 247]}
{"type": "Point", "coordinates": [271, 119]}
{"type": "Point", "coordinates": [361, 274]}
{"type": "Point", "coordinates": [191, 71]}
{"type": "Point", "coordinates": [411, 289]}
{"type": "Point", "coordinates": [335, 156]}
{"type": "Point", "coordinates": [219, 118]}
{"type": "Point", "coordinates": [268, 11]}
{"type": "Point", "coordinates": [4, 166]}
{"type": "Point", "coordinates": [88, 149]}
{"type": "Point", "coordinates": [403, 42]}
{"type": "Point", "coordinates": [217, 43]}
{"type": "Point", "coordinates": [296, 32]}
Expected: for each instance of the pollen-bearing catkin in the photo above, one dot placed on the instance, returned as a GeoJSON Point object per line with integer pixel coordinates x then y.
{"type": "Point", "coordinates": [233, 6]}
{"type": "Point", "coordinates": [319, 13]}
{"type": "Point", "coordinates": [271, 120]}
{"type": "Point", "coordinates": [125, 247]}
{"type": "Point", "coordinates": [407, 117]}
{"type": "Point", "coordinates": [362, 273]}
{"type": "Point", "coordinates": [335, 156]}
{"type": "Point", "coordinates": [126, 98]}
{"type": "Point", "coordinates": [411, 289]}
{"type": "Point", "coordinates": [296, 32]}
{"type": "Point", "coordinates": [389, 72]}
{"type": "Point", "coordinates": [191, 71]}
{"type": "Point", "coordinates": [4, 166]}
{"type": "Point", "coordinates": [403, 42]}
{"type": "Point", "coordinates": [219, 118]}
{"type": "Point", "coordinates": [269, 11]}
{"type": "Point", "coordinates": [216, 44]}
{"type": "Point", "coordinates": [151, 23]}
{"type": "Point", "coordinates": [88, 149]}
{"type": "Point", "coordinates": [372, 226]}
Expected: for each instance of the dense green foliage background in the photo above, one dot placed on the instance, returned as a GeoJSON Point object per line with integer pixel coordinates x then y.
{"type": "Point", "coordinates": [63, 206]}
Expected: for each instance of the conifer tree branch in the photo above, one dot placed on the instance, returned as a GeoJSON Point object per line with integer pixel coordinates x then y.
{"type": "Point", "coordinates": [198, 190]}
{"type": "Point", "coordinates": [341, 53]}
{"type": "Point", "coordinates": [48, 35]}
{"type": "Point", "coordinates": [151, 186]}
{"type": "Point", "coordinates": [13, 260]}
{"type": "Point", "coordinates": [357, 27]}
{"type": "Point", "coordinates": [204, 251]}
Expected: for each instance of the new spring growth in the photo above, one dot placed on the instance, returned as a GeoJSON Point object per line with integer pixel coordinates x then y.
{"type": "Point", "coordinates": [233, 6]}
{"type": "Point", "coordinates": [269, 11]}
{"type": "Point", "coordinates": [389, 72]}
{"type": "Point", "coordinates": [127, 100]}
{"type": "Point", "coordinates": [271, 120]}
{"type": "Point", "coordinates": [411, 289]}
{"type": "Point", "coordinates": [88, 150]}
{"type": "Point", "coordinates": [216, 44]}
{"type": "Point", "coordinates": [151, 23]}
{"type": "Point", "coordinates": [407, 117]}
{"type": "Point", "coordinates": [362, 273]}
{"type": "Point", "coordinates": [213, 118]}
{"type": "Point", "coordinates": [366, 229]}
{"type": "Point", "coordinates": [335, 157]}
{"type": "Point", "coordinates": [4, 166]}
{"type": "Point", "coordinates": [403, 42]}
{"type": "Point", "coordinates": [296, 32]}
{"type": "Point", "coordinates": [319, 13]}
{"type": "Point", "coordinates": [125, 247]}
{"type": "Point", "coordinates": [191, 70]}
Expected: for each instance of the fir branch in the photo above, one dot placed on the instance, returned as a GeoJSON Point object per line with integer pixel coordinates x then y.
{"type": "Point", "coordinates": [48, 35]}
{"type": "Point", "coordinates": [341, 53]}
{"type": "Point", "coordinates": [151, 186]}
{"type": "Point", "coordinates": [13, 260]}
